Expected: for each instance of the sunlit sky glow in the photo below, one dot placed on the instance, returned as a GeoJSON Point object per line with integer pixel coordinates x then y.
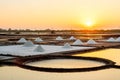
{"type": "Point", "coordinates": [59, 14]}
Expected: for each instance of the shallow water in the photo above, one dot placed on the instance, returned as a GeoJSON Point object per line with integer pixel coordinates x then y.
{"type": "Point", "coordinates": [16, 73]}
{"type": "Point", "coordinates": [112, 54]}
{"type": "Point", "coordinates": [66, 63]}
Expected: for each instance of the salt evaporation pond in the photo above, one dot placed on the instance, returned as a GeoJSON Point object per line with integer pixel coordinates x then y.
{"type": "Point", "coordinates": [66, 63]}
{"type": "Point", "coordinates": [16, 73]}
{"type": "Point", "coordinates": [112, 54]}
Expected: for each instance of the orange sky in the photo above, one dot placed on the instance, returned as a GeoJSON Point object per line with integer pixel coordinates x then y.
{"type": "Point", "coordinates": [59, 14]}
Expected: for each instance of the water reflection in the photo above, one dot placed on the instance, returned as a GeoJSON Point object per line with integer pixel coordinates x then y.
{"type": "Point", "coordinates": [66, 63]}
{"type": "Point", "coordinates": [111, 54]}
{"type": "Point", "coordinates": [15, 73]}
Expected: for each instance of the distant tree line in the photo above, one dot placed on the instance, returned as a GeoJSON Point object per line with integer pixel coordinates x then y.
{"type": "Point", "coordinates": [17, 31]}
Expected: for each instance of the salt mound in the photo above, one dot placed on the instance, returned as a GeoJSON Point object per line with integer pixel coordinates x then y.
{"type": "Point", "coordinates": [39, 49]}
{"type": "Point", "coordinates": [67, 45]}
{"type": "Point", "coordinates": [91, 41]}
{"type": "Point", "coordinates": [118, 39]}
{"type": "Point", "coordinates": [72, 38]}
{"type": "Point", "coordinates": [22, 40]}
{"type": "Point", "coordinates": [59, 38]}
{"type": "Point", "coordinates": [111, 39]}
{"type": "Point", "coordinates": [28, 44]}
{"type": "Point", "coordinates": [38, 39]}
{"type": "Point", "coordinates": [78, 42]}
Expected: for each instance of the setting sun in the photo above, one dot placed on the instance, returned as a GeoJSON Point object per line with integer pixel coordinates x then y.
{"type": "Point", "coordinates": [89, 23]}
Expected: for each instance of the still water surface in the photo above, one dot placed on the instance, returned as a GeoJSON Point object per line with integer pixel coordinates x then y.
{"type": "Point", "coordinates": [16, 73]}
{"type": "Point", "coordinates": [66, 63]}
{"type": "Point", "coordinates": [112, 54]}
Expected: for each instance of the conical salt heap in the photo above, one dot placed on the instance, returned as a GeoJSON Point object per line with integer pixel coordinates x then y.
{"type": "Point", "coordinates": [78, 42]}
{"type": "Point", "coordinates": [91, 41]}
{"type": "Point", "coordinates": [22, 40]}
{"type": "Point", "coordinates": [38, 39]}
{"type": "Point", "coordinates": [72, 38]}
{"type": "Point", "coordinates": [111, 39]}
{"type": "Point", "coordinates": [67, 45]}
{"type": "Point", "coordinates": [118, 39]}
{"type": "Point", "coordinates": [39, 49]}
{"type": "Point", "coordinates": [59, 38]}
{"type": "Point", "coordinates": [28, 44]}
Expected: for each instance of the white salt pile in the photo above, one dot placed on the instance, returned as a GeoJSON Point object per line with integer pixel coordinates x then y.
{"type": "Point", "coordinates": [118, 39]}
{"type": "Point", "coordinates": [49, 49]}
{"type": "Point", "coordinates": [39, 49]}
{"type": "Point", "coordinates": [22, 40]}
{"type": "Point", "coordinates": [91, 41]}
{"type": "Point", "coordinates": [38, 39]}
{"type": "Point", "coordinates": [111, 39]}
{"type": "Point", "coordinates": [78, 42]}
{"type": "Point", "coordinates": [72, 38]}
{"type": "Point", "coordinates": [67, 45]}
{"type": "Point", "coordinates": [28, 44]}
{"type": "Point", "coordinates": [59, 38]}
